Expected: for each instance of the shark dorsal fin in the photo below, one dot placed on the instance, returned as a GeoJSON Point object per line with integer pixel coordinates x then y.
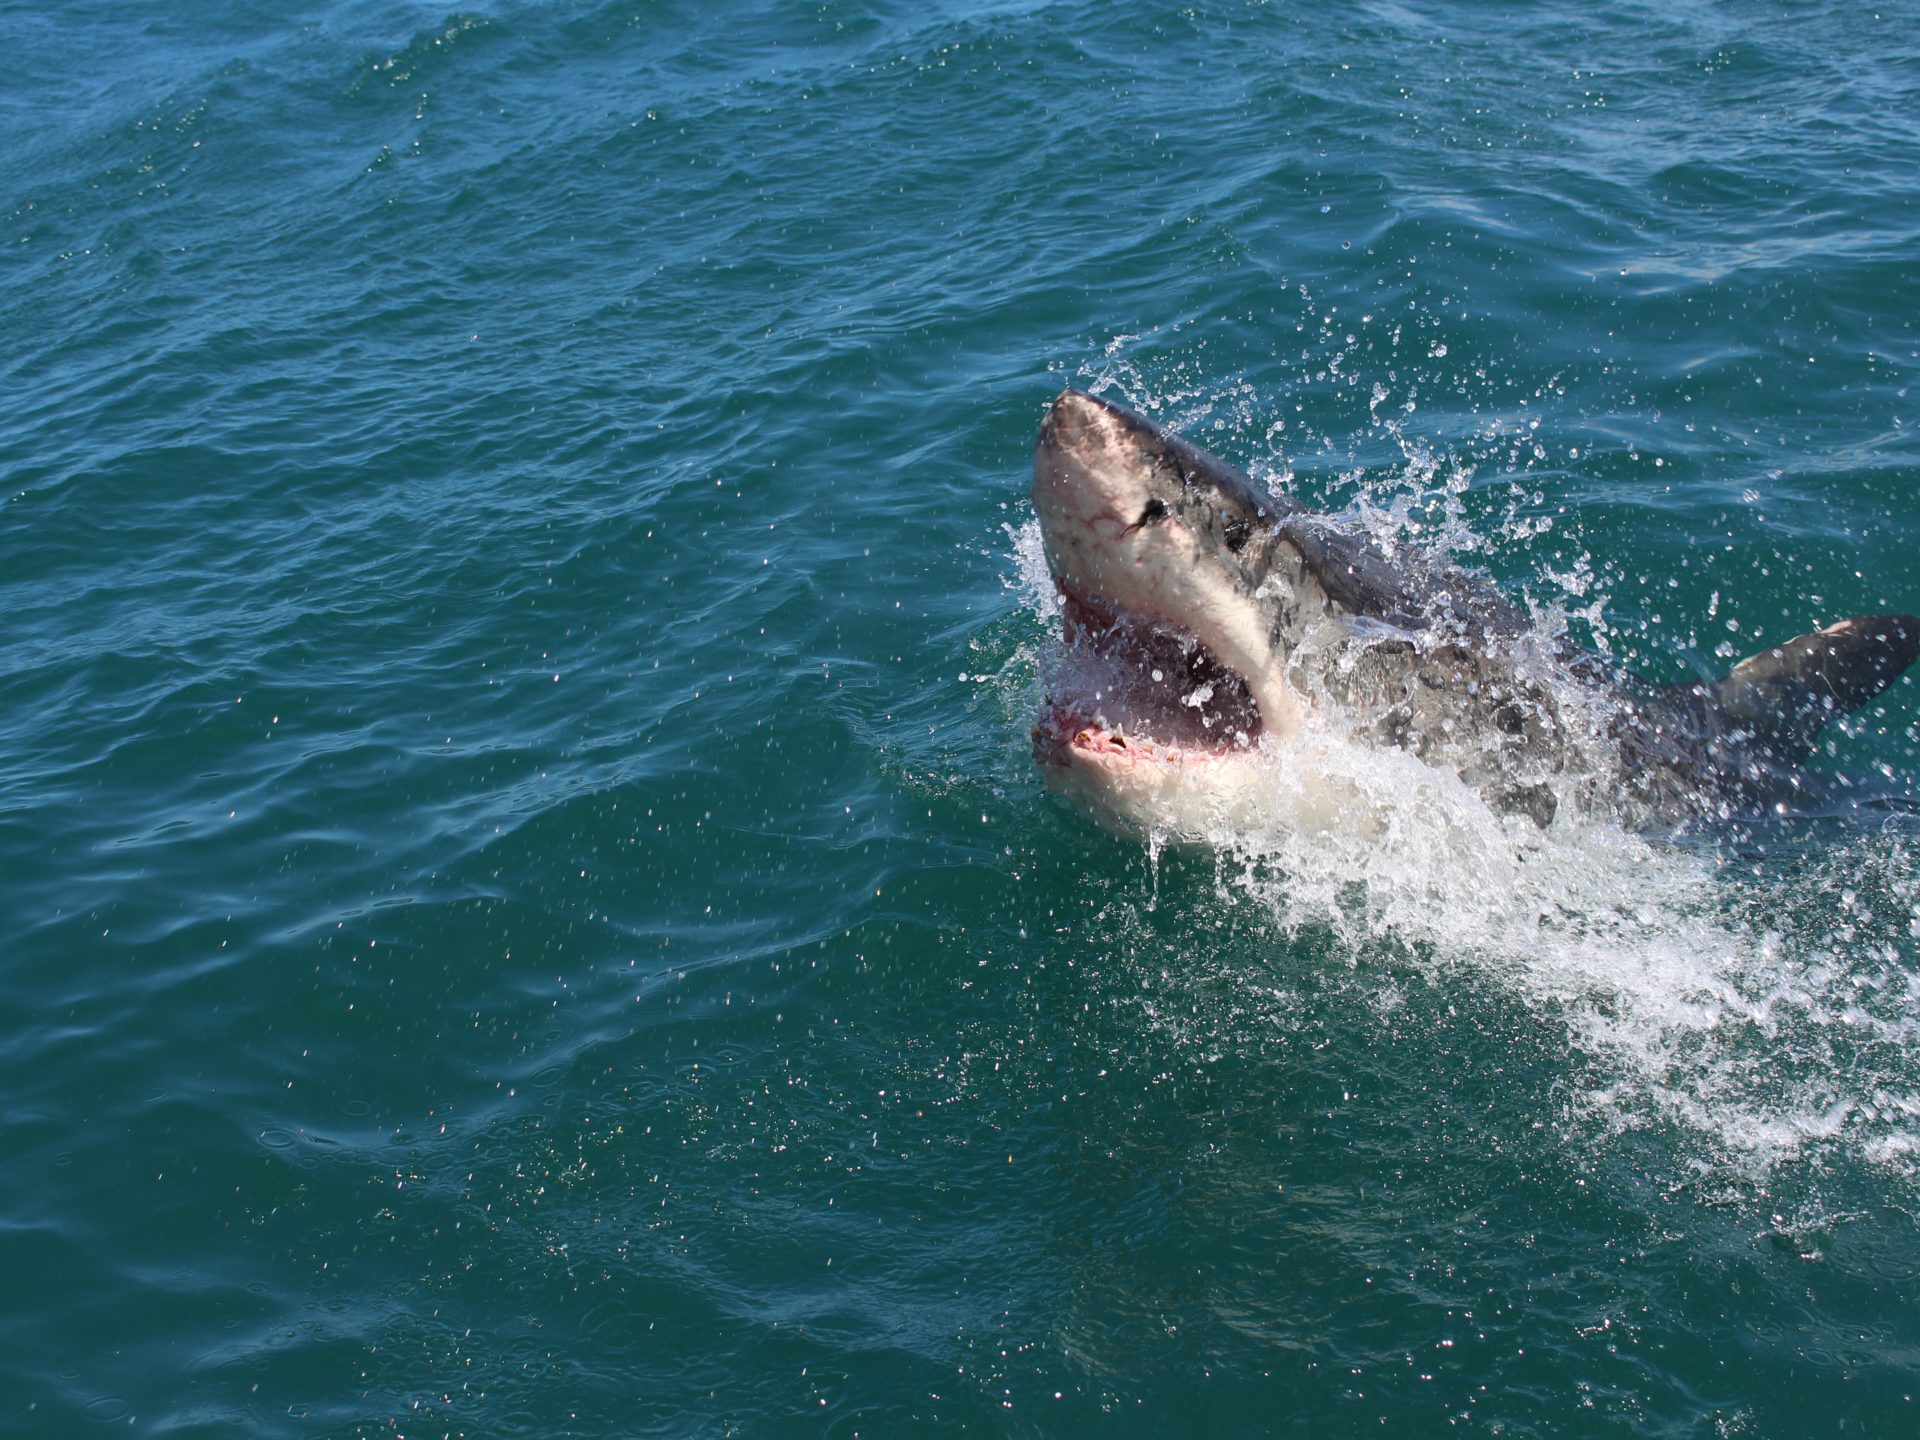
{"type": "Point", "coordinates": [1784, 695]}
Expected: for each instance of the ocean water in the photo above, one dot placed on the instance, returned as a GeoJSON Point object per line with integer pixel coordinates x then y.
{"type": "Point", "coordinates": [528, 910]}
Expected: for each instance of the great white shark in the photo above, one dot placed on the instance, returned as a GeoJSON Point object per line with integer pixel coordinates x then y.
{"type": "Point", "coordinates": [1213, 628]}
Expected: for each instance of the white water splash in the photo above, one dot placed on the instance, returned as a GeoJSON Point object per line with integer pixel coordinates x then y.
{"type": "Point", "coordinates": [1768, 1007]}
{"type": "Point", "coordinates": [1670, 971]}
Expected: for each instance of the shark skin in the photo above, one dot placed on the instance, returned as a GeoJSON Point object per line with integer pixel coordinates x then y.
{"type": "Point", "coordinates": [1214, 630]}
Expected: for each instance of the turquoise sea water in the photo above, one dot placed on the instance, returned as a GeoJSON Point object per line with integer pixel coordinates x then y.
{"type": "Point", "coordinates": [528, 910]}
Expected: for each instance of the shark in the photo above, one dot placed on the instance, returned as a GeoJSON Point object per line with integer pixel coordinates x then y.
{"type": "Point", "coordinates": [1218, 636]}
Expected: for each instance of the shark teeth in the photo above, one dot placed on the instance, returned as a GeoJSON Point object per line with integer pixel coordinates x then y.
{"type": "Point", "coordinates": [1060, 733]}
{"type": "Point", "coordinates": [1126, 685]}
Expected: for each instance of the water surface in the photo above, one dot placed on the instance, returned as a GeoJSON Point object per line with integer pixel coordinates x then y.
{"type": "Point", "coordinates": [530, 910]}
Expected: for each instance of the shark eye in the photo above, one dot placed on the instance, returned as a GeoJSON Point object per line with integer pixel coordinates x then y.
{"type": "Point", "coordinates": [1156, 510]}
{"type": "Point", "coordinates": [1236, 533]}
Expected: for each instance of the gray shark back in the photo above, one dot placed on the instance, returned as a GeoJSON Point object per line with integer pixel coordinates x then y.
{"type": "Point", "coordinates": [1408, 589]}
{"type": "Point", "coordinates": [1442, 664]}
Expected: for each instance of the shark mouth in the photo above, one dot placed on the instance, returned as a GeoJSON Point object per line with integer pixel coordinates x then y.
{"type": "Point", "coordinates": [1130, 690]}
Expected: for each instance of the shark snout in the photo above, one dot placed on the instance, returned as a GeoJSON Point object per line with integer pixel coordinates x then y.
{"type": "Point", "coordinates": [1074, 416]}
{"type": "Point", "coordinates": [1080, 436]}
{"type": "Point", "coordinates": [1090, 465]}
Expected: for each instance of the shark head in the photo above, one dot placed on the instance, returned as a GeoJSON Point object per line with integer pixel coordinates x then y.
{"type": "Point", "coordinates": [1175, 619]}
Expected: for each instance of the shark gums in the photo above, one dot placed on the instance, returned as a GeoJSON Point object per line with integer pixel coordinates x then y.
{"type": "Point", "coordinates": [1214, 630]}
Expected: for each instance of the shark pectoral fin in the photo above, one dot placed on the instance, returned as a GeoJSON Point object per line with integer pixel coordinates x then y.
{"type": "Point", "coordinates": [1783, 696]}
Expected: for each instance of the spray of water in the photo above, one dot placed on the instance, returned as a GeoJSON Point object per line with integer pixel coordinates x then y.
{"type": "Point", "coordinates": [1758, 995]}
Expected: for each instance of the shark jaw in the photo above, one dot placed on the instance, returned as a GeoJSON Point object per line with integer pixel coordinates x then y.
{"type": "Point", "coordinates": [1145, 690]}
{"type": "Point", "coordinates": [1169, 678]}
{"type": "Point", "coordinates": [1143, 728]}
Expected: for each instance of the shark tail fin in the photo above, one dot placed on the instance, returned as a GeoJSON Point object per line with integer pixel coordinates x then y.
{"type": "Point", "coordinates": [1785, 695]}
